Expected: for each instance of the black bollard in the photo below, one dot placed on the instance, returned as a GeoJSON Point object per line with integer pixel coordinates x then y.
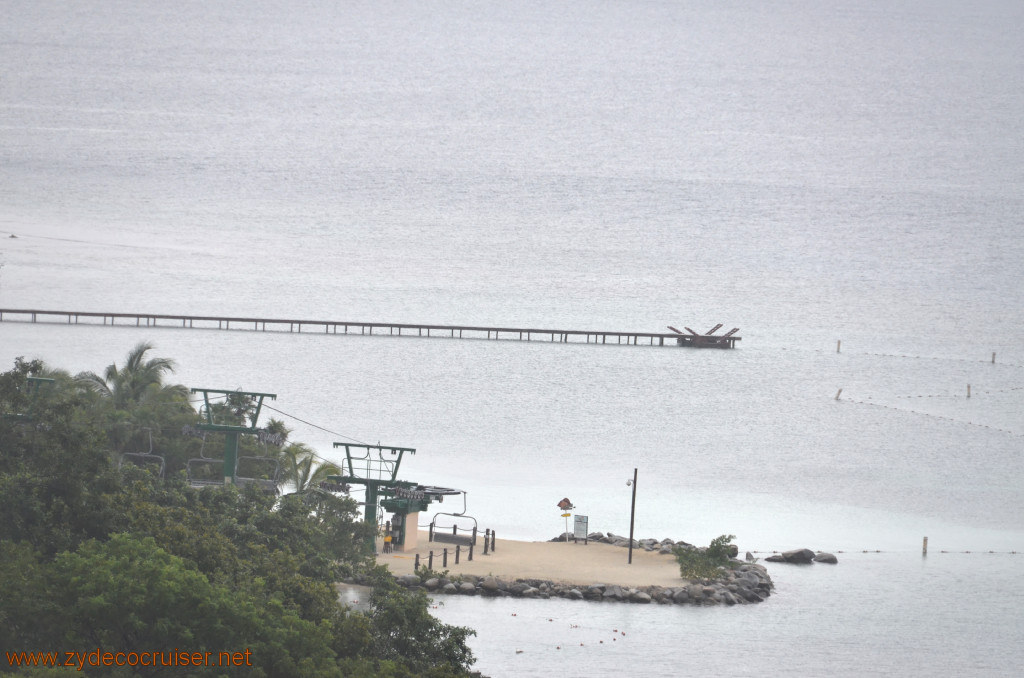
{"type": "Point", "coordinates": [416, 565]}
{"type": "Point", "coordinates": [470, 553]}
{"type": "Point", "coordinates": [458, 548]}
{"type": "Point", "coordinates": [430, 561]}
{"type": "Point", "coordinates": [444, 561]}
{"type": "Point", "coordinates": [487, 540]}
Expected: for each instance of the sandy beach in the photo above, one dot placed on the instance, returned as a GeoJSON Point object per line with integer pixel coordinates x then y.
{"type": "Point", "coordinates": [561, 562]}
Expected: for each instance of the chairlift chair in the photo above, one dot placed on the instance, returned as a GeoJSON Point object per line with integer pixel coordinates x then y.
{"type": "Point", "coordinates": [268, 485]}
{"type": "Point", "coordinates": [196, 478]}
{"type": "Point", "coordinates": [144, 459]}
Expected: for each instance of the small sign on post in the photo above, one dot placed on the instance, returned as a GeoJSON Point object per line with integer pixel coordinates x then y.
{"type": "Point", "coordinates": [566, 507]}
{"type": "Point", "coordinates": [579, 528]}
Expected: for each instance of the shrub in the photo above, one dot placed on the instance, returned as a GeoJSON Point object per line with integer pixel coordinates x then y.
{"type": "Point", "coordinates": [706, 563]}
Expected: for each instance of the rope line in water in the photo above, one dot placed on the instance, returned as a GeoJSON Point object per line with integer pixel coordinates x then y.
{"type": "Point", "coordinates": [975, 553]}
{"type": "Point", "coordinates": [962, 396]}
{"type": "Point", "coordinates": [899, 355]}
{"type": "Point", "coordinates": [933, 416]}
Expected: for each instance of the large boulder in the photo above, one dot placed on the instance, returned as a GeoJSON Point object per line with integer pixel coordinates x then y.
{"type": "Point", "coordinates": [640, 597]}
{"type": "Point", "coordinates": [796, 556]}
{"type": "Point", "coordinates": [826, 558]}
{"type": "Point", "coordinates": [614, 592]}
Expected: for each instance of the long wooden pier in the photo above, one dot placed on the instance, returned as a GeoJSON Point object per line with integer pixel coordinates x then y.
{"type": "Point", "coordinates": [675, 338]}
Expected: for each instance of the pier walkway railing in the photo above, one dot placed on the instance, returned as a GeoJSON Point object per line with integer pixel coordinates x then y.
{"type": "Point", "coordinates": [369, 328]}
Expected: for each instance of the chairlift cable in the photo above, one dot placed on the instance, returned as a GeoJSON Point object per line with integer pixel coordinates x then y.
{"type": "Point", "coordinates": [309, 423]}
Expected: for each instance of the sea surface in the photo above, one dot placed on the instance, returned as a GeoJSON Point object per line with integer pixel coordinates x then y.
{"type": "Point", "coordinates": [810, 172]}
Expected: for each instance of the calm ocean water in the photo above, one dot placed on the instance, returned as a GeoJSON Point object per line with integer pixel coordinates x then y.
{"type": "Point", "coordinates": [808, 172]}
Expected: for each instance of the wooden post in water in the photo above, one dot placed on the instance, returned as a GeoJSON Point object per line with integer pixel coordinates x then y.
{"type": "Point", "coordinates": [839, 343]}
{"type": "Point", "coordinates": [968, 390]}
{"type": "Point", "coordinates": [838, 393]}
{"type": "Point", "coordinates": [924, 547]}
{"type": "Point", "coordinates": [993, 357]}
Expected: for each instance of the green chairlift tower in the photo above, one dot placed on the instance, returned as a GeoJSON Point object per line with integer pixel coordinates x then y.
{"type": "Point", "coordinates": [367, 465]}
{"type": "Point", "coordinates": [231, 432]}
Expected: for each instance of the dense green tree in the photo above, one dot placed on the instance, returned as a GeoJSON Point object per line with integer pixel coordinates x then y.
{"type": "Point", "coordinates": [404, 628]}
{"type": "Point", "coordinates": [96, 555]}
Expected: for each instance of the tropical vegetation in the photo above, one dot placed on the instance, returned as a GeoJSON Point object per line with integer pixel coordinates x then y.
{"type": "Point", "coordinates": [710, 562]}
{"type": "Point", "coordinates": [98, 554]}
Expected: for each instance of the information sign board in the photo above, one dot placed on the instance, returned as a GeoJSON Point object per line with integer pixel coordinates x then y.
{"type": "Point", "coordinates": [579, 526]}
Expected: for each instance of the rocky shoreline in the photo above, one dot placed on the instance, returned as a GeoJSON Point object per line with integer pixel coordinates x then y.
{"type": "Point", "coordinates": [748, 583]}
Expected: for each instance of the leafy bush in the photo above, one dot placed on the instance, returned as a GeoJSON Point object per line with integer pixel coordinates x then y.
{"type": "Point", "coordinates": [94, 555]}
{"type": "Point", "coordinates": [705, 563]}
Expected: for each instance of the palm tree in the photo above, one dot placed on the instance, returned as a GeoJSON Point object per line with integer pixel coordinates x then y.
{"type": "Point", "coordinates": [301, 468]}
{"type": "Point", "coordinates": [139, 382]}
{"type": "Point", "coordinates": [134, 397]}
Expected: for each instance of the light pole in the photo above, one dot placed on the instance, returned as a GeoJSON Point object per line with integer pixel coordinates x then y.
{"type": "Point", "coordinates": [632, 516]}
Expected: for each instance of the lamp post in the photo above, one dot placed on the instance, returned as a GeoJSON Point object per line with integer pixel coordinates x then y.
{"type": "Point", "coordinates": [632, 516]}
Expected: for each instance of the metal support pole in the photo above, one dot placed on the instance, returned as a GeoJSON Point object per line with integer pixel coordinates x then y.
{"type": "Point", "coordinates": [230, 456]}
{"type": "Point", "coordinates": [632, 518]}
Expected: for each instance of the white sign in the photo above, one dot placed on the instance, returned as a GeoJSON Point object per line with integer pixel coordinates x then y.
{"type": "Point", "coordinates": [579, 527]}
